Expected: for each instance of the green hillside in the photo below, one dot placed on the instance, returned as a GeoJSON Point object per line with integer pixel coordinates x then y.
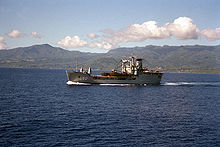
{"type": "Point", "coordinates": [195, 58]}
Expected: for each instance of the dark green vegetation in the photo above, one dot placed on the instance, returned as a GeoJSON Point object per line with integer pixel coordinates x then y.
{"type": "Point", "coordinates": [195, 58]}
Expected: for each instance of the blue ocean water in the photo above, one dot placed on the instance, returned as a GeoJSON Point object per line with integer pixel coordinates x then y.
{"type": "Point", "coordinates": [37, 108]}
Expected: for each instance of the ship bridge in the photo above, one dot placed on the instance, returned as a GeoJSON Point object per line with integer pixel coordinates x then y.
{"type": "Point", "coordinates": [131, 66]}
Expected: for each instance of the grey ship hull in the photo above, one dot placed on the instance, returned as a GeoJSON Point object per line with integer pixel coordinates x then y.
{"type": "Point", "coordinates": [148, 78]}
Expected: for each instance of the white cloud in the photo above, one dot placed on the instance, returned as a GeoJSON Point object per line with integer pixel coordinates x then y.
{"type": "Point", "coordinates": [73, 42]}
{"type": "Point", "coordinates": [36, 35]}
{"type": "Point", "coordinates": [211, 35]}
{"type": "Point", "coordinates": [3, 44]}
{"type": "Point", "coordinates": [137, 33]}
{"type": "Point", "coordinates": [147, 30]}
{"type": "Point", "coordinates": [93, 36]}
{"type": "Point", "coordinates": [15, 34]}
{"type": "Point", "coordinates": [102, 45]}
{"type": "Point", "coordinates": [182, 28]}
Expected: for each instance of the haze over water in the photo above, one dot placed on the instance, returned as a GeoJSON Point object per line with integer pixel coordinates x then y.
{"type": "Point", "coordinates": [37, 108]}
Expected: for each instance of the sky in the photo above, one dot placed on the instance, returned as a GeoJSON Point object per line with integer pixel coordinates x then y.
{"type": "Point", "coordinates": [102, 25]}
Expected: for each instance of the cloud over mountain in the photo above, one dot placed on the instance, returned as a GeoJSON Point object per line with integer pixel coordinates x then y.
{"type": "Point", "coordinates": [3, 44]}
{"type": "Point", "coordinates": [102, 45]}
{"type": "Point", "coordinates": [15, 34]}
{"type": "Point", "coordinates": [93, 36]}
{"type": "Point", "coordinates": [73, 42]}
{"type": "Point", "coordinates": [211, 35]}
{"type": "Point", "coordinates": [36, 35]}
{"type": "Point", "coordinates": [181, 28]}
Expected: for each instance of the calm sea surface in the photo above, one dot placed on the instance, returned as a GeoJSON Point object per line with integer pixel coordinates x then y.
{"type": "Point", "coordinates": [37, 108]}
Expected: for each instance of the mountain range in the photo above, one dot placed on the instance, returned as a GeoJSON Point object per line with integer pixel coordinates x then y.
{"type": "Point", "coordinates": [194, 58]}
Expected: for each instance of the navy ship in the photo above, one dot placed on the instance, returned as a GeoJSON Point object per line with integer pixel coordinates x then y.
{"type": "Point", "coordinates": [131, 72]}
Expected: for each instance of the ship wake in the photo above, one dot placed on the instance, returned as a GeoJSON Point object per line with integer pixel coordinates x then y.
{"type": "Point", "coordinates": [191, 84]}
{"type": "Point", "coordinates": [77, 83]}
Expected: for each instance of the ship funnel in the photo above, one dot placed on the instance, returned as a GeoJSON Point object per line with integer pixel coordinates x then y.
{"type": "Point", "coordinates": [139, 63]}
{"type": "Point", "coordinates": [89, 70]}
{"type": "Point", "coordinates": [81, 69]}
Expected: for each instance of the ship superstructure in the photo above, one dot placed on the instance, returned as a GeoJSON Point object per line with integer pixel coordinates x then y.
{"type": "Point", "coordinates": [132, 72]}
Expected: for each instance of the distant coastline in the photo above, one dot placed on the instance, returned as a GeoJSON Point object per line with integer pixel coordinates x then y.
{"type": "Point", "coordinates": [186, 59]}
